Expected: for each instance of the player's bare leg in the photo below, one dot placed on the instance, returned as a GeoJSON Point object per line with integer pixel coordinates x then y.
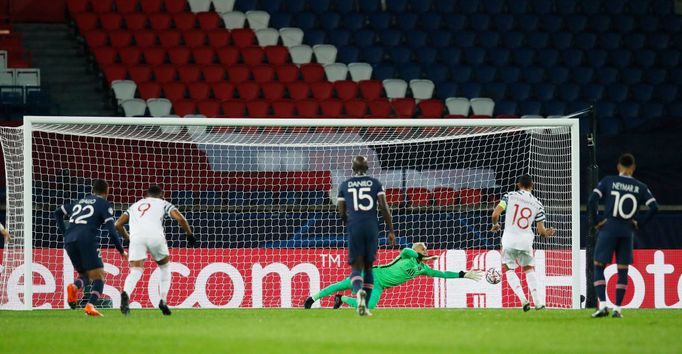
{"type": "Point", "coordinates": [600, 287]}
{"type": "Point", "coordinates": [96, 276]}
{"type": "Point", "coordinates": [532, 282]}
{"type": "Point", "coordinates": [136, 270]}
{"type": "Point", "coordinates": [165, 282]}
{"type": "Point", "coordinates": [72, 289]}
{"type": "Point", "coordinates": [515, 284]}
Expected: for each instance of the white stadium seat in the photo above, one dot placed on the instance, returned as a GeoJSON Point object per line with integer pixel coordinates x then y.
{"type": "Point", "coordinates": [223, 5]}
{"type": "Point", "coordinates": [159, 107]}
{"type": "Point", "coordinates": [27, 77]}
{"type": "Point", "coordinates": [7, 77]}
{"type": "Point", "coordinates": [482, 106]}
{"type": "Point", "coordinates": [258, 19]}
{"type": "Point", "coordinates": [291, 36]}
{"type": "Point", "coordinates": [336, 71]}
{"type": "Point", "coordinates": [458, 106]}
{"type": "Point", "coordinates": [134, 107]}
{"type": "Point", "coordinates": [234, 19]}
{"type": "Point", "coordinates": [301, 54]}
{"type": "Point", "coordinates": [325, 53]}
{"type": "Point", "coordinates": [395, 88]}
{"type": "Point", "coordinates": [360, 71]}
{"type": "Point", "coordinates": [3, 59]}
{"type": "Point", "coordinates": [556, 116]}
{"type": "Point", "coordinates": [422, 89]}
{"type": "Point", "coordinates": [267, 36]}
{"type": "Point", "coordinates": [199, 5]}
{"type": "Point", "coordinates": [123, 89]}
{"type": "Point", "coordinates": [531, 116]}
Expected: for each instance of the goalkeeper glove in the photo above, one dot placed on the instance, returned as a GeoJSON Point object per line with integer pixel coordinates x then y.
{"type": "Point", "coordinates": [191, 240]}
{"type": "Point", "coordinates": [474, 275]}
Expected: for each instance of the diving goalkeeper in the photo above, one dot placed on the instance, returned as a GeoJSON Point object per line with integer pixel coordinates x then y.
{"type": "Point", "coordinates": [408, 265]}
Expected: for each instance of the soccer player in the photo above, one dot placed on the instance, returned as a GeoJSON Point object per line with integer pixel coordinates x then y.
{"type": "Point", "coordinates": [623, 195]}
{"type": "Point", "coordinates": [408, 265]}
{"type": "Point", "coordinates": [86, 215]}
{"type": "Point", "coordinates": [146, 235]}
{"type": "Point", "coordinates": [517, 239]}
{"type": "Point", "coordinates": [357, 201]}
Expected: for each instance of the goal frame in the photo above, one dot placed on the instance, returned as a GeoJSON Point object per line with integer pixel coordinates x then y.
{"type": "Point", "coordinates": [573, 124]}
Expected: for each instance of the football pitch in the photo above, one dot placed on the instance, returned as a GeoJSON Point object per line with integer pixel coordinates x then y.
{"type": "Point", "coordinates": [340, 331]}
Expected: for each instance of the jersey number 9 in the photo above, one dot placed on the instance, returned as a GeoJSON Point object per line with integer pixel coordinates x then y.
{"type": "Point", "coordinates": [81, 219]}
{"type": "Point", "coordinates": [619, 200]}
{"type": "Point", "coordinates": [360, 194]}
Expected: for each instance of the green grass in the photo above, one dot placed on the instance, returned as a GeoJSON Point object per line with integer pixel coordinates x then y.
{"type": "Point", "coordinates": [341, 331]}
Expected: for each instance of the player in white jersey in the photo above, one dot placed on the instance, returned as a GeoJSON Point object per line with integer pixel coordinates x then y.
{"type": "Point", "coordinates": [146, 235]}
{"type": "Point", "coordinates": [517, 239]}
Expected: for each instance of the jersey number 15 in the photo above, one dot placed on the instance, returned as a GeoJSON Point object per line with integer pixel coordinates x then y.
{"type": "Point", "coordinates": [360, 194]}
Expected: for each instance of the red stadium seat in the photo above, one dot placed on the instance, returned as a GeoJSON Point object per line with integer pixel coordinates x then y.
{"type": "Point", "coordinates": [140, 73]}
{"type": "Point", "coordinates": [432, 108]}
{"type": "Point", "coordinates": [243, 37]}
{"type": "Point", "coordinates": [263, 73]}
{"type": "Point", "coordinates": [283, 108]}
{"type": "Point", "coordinates": [149, 89]}
{"type": "Point", "coordinates": [258, 108]}
{"type": "Point", "coordinates": [208, 20]}
{"type": "Point", "coordinates": [111, 21]}
{"type": "Point", "coordinates": [322, 90]}
{"type": "Point", "coordinates": [444, 196]}
{"type": "Point", "coordinates": [130, 55]}
{"type": "Point", "coordinates": [248, 90]}
{"type": "Point", "coordinates": [312, 72]}
{"type": "Point", "coordinates": [233, 108]}
{"type": "Point", "coordinates": [238, 73]}
{"type": "Point", "coordinates": [370, 89]}
{"type": "Point", "coordinates": [174, 91]}
{"type": "Point", "coordinates": [198, 91]}
{"type": "Point", "coordinates": [105, 56]}
{"type": "Point", "coordinates": [419, 196]}
{"type": "Point", "coordinates": [346, 89]}
{"type": "Point", "coordinates": [154, 55]}
{"type": "Point", "coordinates": [470, 196]}
{"type": "Point", "coordinates": [228, 55]}
{"type": "Point", "coordinates": [115, 72]}
{"type": "Point", "coordinates": [77, 6]}
{"type": "Point", "coordinates": [287, 73]}
{"type": "Point", "coordinates": [273, 90]}
{"type": "Point", "coordinates": [331, 108]}
{"type": "Point", "coordinates": [135, 21]}
{"type": "Point", "coordinates": [189, 72]}
{"type": "Point", "coordinates": [184, 107]}
{"type": "Point", "coordinates": [277, 54]}
{"type": "Point", "coordinates": [298, 90]}
{"type": "Point", "coordinates": [96, 38]}
{"type": "Point", "coordinates": [194, 38]}
{"type": "Point", "coordinates": [144, 38]}
{"type": "Point", "coordinates": [394, 196]}
{"type": "Point", "coordinates": [164, 73]}
{"type": "Point", "coordinates": [102, 6]}
{"type": "Point", "coordinates": [307, 108]}
{"type": "Point", "coordinates": [223, 90]}
{"type": "Point", "coordinates": [174, 6]}
{"type": "Point", "coordinates": [125, 6]}
{"type": "Point", "coordinates": [404, 107]}
{"type": "Point", "coordinates": [169, 38]}
{"type": "Point", "coordinates": [218, 38]}
{"type": "Point", "coordinates": [379, 108]}
{"type": "Point", "coordinates": [203, 55]}
{"type": "Point", "coordinates": [86, 22]}
{"type": "Point", "coordinates": [179, 55]}
{"type": "Point", "coordinates": [150, 6]}
{"type": "Point", "coordinates": [159, 21]}
{"type": "Point", "coordinates": [209, 108]}
{"type": "Point", "coordinates": [252, 55]}
{"type": "Point", "coordinates": [355, 108]}
{"type": "Point", "coordinates": [213, 73]}
{"type": "Point", "coordinates": [185, 21]}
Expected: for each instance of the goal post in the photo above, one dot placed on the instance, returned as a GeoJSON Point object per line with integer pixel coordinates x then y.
{"type": "Point", "coordinates": [260, 194]}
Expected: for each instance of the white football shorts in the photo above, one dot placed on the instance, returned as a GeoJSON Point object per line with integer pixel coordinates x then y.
{"type": "Point", "coordinates": [513, 258]}
{"type": "Point", "coordinates": [157, 247]}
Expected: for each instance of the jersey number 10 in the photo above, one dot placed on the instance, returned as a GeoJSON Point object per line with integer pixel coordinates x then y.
{"type": "Point", "coordinates": [619, 200]}
{"type": "Point", "coordinates": [360, 194]}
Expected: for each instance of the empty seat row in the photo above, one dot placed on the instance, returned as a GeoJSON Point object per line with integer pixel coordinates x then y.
{"type": "Point", "coordinates": [147, 6]}
{"type": "Point", "coordinates": [216, 38]}
{"type": "Point", "coordinates": [136, 21]}
{"type": "Point", "coordinates": [19, 77]}
{"type": "Point", "coordinates": [439, 196]}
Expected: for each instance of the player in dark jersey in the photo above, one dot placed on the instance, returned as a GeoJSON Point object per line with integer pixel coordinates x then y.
{"type": "Point", "coordinates": [86, 215]}
{"type": "Point", "coordinates": [622, 195]}
{"type": "Point", "coordinates": [358, 200]}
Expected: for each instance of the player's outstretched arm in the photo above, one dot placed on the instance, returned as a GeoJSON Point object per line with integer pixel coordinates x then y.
{"type": "Point", "coordinates": [388, 218]}
{"type": "Point", "coordinates": [120, 225]}
{"type": "Point", "coordinates": [474, 275]}
{"type": "Point", "coordinates": [499, 209]}
{"type": "Point", "coordinates": [177, 215]}
{"type": "Point", "coordinates": [545, 232]}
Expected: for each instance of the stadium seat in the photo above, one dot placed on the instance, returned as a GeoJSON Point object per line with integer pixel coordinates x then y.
{"type": "Point", "coordinates": [258, 108]}
{"type": "Point", "coordinates": [394, 196]}
{"type": "Point", "coordinates": [189, 73]}
{"type": "Point", "coordinates": [243, 37]}
{"type": "Point", "coordinates": [209, 108]}
{"type": "Point", "coordinates": [199, 5]}
{"type": "Point", "coordinates": [283, 109]}
{"type": "Point", "coordinates": [520, 91]}
{"type": "Point", "coordinates": [139, 73]}
{"type": "Point", "coordinates": [419, 196]}
{"type": "Point", "coordinates": [437, 71]}
{"type": "Point", "coordinates": [213, 73]}
{"type": "Point", "coordinates": [248, 90]}
{"type": "Point", "coordinates": [379, 108]}
{"type": "Point", "coordinates": [298, 90]}
{"type": "Point", "coordinates": [179, 55]}
{"type": "Point", "coordinates": [470, 196]}
{"type": "Point", "coordinates": [346, 89]}
{"type": "Point", "coordinates": [111, 72]}
{"type": "Point", "coordinates": [336, 71]}
{"type": "Point", "coordinates": [223, 90]}
{"type": "Point", "coordinates": [431, 108]}
{"type": "Point", "coordinates": [331, 108]}
{"type": "Point", "coordinates": [360, 71]}
{"type": "Point", "coordinates": [273, 90]}
{"type": "Point", "coordinates": [222, 6]}
{"type": "Point", "coordinates": [252, 55]}
{"type": "Point", "coordinates": [422, 89]}
{"type": "Point", "coordinates": [134, 107]}
{"type": "Point", "coordinates": [544, 91]}
{"type": "Point", "coordinates": [184, 21]}
{"type": "Point", "coordinates": [228, 55]}
{"type": "Point", "coordinates": [123, 89]}
{"type": "Point", "coordinates": [267, 37]}
{"type": "Point", "coordinates": [324, 53]}
{"type": "Point", "coordinates": [263, 73]}
{"type": "Point", "coordinates": [372, 55]}
{"type": "Point", "coordinates": [355, 108]}
{"type": "Point", "coordinates": [482, 107]}
{"type": "Point", "coordinates": [159, 107]}
{"type": "Point", "coordinates": [257, 19]}
{"type": "Point", "coordinates": [404, 107]}
{"type": "Point", "coordinates": [370, 89]}
{"type": "Point", "coordinates": [444, 196]}
{"type": "Point", "coordinates": [287, 73]}
{"type": "Point", "coordinates": [233, 19]}
{"type": "Point", "coordinates": [322, 90]}
{"type": "Point", "coordinates": [312, 72]}
{"type": "Point", "coordinates": [307, 108]}
{"type": "Point", "coordinates": [446, 89]}
{"type": "Point", "coordinates": [120, 38]}
{"type": "Point", "coordinates": [149, 90]}
{"type": "Point", "coordinates": [198, 91]}
{"type": "Point", "coordinates": [130, 55]}
{"type": "Point", "coordinates": [233, 108]}
{"type": "Point", "coordinates": [458, 107]}
{"type": "Point", "coordinates": [505, 109]}
{"type": "Point", "coordinates": [301, 54]}
{"type": "Point", "coordinates": [291, 36]}
{"type": "Point", "coordinates": [315, 37]}
{"type": "Point", "coordinates": [395, 88]}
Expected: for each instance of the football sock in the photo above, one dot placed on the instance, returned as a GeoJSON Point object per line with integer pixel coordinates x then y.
{"type": "Point", "coordinates": [132, 279]}
{"type": "Point", "coordinates": [81, 282]}
{"type": "Point", "coordinates": [532, 282]}
{"type": "Point", "coordinates": [621, 286]}
{"type": "Point", "coordinates": [600, 285]}
{"type": "Point", "coordinates": [515, 284]}
{"type": "Point", "coordinates": [165, 281]}
{"type": "Point", "coordinates": [96, 290]}
{"type": "Point", "coordinates": [368, 281]}
{"type": "Point", "coordinates": [356, 280]}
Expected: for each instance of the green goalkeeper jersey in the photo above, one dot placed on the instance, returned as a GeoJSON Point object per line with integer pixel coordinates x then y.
{"type": "Point", "coordinates": [405, 267]}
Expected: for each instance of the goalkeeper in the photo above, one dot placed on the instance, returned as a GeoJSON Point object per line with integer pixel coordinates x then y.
{"type": "Point", "coordinates": [408, 265]}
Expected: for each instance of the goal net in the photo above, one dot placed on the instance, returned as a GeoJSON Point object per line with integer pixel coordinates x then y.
{"type": "Point", "coordinates": [261, 194]}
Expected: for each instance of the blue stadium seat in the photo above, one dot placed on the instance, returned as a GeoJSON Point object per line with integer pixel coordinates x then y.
{"type": "Point", "coordinates": [212, 198]}
{"type": "Point", "coordinates": [493, 6]}
{"type": "Point", "coordinates": [314, 197]}
{"type": "Point", "coordinates": [379, 20]}
{"type": "Point", "coordinates": [406, 21]}
{"type": "Point", "coordinates": [479, 22]}
{"type": "Point", "coordinates": [554, 108]}
{"type": "Point", "coordinates": [498, 56]}
{"type": "Point", "coordinates": [294, 6]}
{"type": "Point", "coordinates": [319, 6]}
{"type": "Point", "coordinates": [280, 19]}
{"type": "Point", "coordinates": [409, 71]}
{"type": "Point", "coordinates": [348, 54]}
{"type": "Point", "coordinates": [530, 107]}
{"type": "Point", "coordinates": [541, 7]}
{"type": "Point", "coordinates": [440, 39]}
{"type": "Point", "coordinates": [672, 23]}
{"type": "Point", "coordinates": [436, 72]}
{"type": "Point", "coordinates": [547, 57]}
{"type": "Point", "coordinates": [460, 73]}
{"type": "Point", "coordinates": [527, 23]}
{"type": "Point", "coordinates": [523, 56]}
{"type": "Point", "coordinates": [631, 76]}
{"type": "Point", "coordinates": [456, 22]}
{"type": "Point", "coordinates": [261, 197]}
{"type": "Point", "coordinates": [313, 37]}
{"type": "Point", "coordinates": [607, 75]}
{"type": "Point", "coordinates": [609, 125]}
{"type": "Point", "coordinates": [645, 58]}
{"type": "Point", "coordinates": [271, 6]}
{"type": "Point", "coordinates": [445, 6]}
{"type": "Point", "coordinates": [648, 23]}
{"type": "Point", "coordinates": [590, 7]}
{"type": "Point", "coordinates": [561, 40]}
{"type": "Point", "coordinates": [369, 5]}
{"type": "Point", "coordinates": [623, 23]}
{"type": "Point", "coordinates": [466, 7]}
{"type": "Point", "coordinates": [343, 6]}
{"type": "Point", "coordinates": [533, 74]}
{"type": "Point", "coordinates": [585, 41]}
{"type": "Point", "coordinates": [658, 40]}
{"type": "Point", "coordinates": [537, 40]}
{"type": "Point", "coordinates": [330, 21]}
{"type": "Point", "coordinates": [503, 22]}
{"type": "Point", "coordinates": [565, 7]}
{"type": "Point", "coordinates": [620, 58]}
{"type": "Point", "coordinates": [656, 76]}
{"type": "Point", "coordinates": [245, 5]}
{"type": "Point", "coordinates": [568, 91]}
{"type": "Point", "coordinates": [509, 74]}
{"type": "Point", "coordinates": [610, 40]}
{"type": "Point", "coordinates": [396, 5]}
{"type": "Point", "coordinates": [446, 89]}
{"type": "Point", "coordinates": [353, 21]}
{"type": "Point", "coordinates": [416, 39]}
{"type": "Point", "coordinates": [661, 7]}
{"type": "Point", "coordinates": [339, 37]}
{"type": "Point", "coordinates": [288, 198]}
{"type": "Point", "coordinates": [520, 91]}
{"type": "Point", "coordinates": [596, 58]}
{"type": "Point", "coordinates": [485, 73]}
{"type": "Point", "coordinates": [470, 90]}
{"type": "Point", "coordinates": [305, 21]}
{"type": "Point", "coordinates": [669, 58]}
{"type": "Point", "coordinates": [518, 7]}
{"type": "Point", "coordinates": [390, 38]}
{"type": "Point", "coordinates": [372, 55]}
{"type": "Point", "coordinates": [488, 39]}
{"type": "Point", "coordinates": [426, 55]}
{"type": "Point", "coordinates": [592, 92]}
{"type": "Point", "coordinates": [474, 55]}
{"type": "Point", "coordinates": [557, 75]}
{"type": "Point", "coordinates": [675, 109]}
{"type": "Point", "coordinates": [582, 74]}
{"type": "Point", "coordinates": [617, 92]}
{"type": "Point", "coordinates": [363, 38]}
{"type": "Point", "coordinates": [655, 110]}
{"type": "Point", "coordinates": [666, 92]}
{"type": "Point", "coordinates": [450, 56]}
{"type": "Point", "coordinates": [511, 40]}
{"type": "Point", "coordinates": [600, 23]}
{"type": "Point", "coordinates": [630, 115]}
{"type": "Point", "coordinates": [576, 23]}
{"type": "Point", "coordinates": [675, 75]}
{"type": "Point", "coordinates": [495, 90]}
{"type": "Point", "coordinates": [642, 92]}
{"type": "Point", "coordinates": [464, 39]}
{"type": "Point", "coordinates": [572, 57]}
{"type": "Point", "coordinates": [635, 41]}
{"type": "Point", "coordinates": [544, 91]}
{"type": "Point", "coordinates": [430, 21]}
{"type": "Point", "coordinates": [614, 6]}
{"type": "Point", "coordinates": [506, 107]}
{"type": "Point", "coordinates": [551, 23]}
{"type": "Point", "coordinates": [383, 71]}
{"type": "Point", "coordinates": [420, 6]}
{"type": "Point", "coordinates": [400, 55]}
